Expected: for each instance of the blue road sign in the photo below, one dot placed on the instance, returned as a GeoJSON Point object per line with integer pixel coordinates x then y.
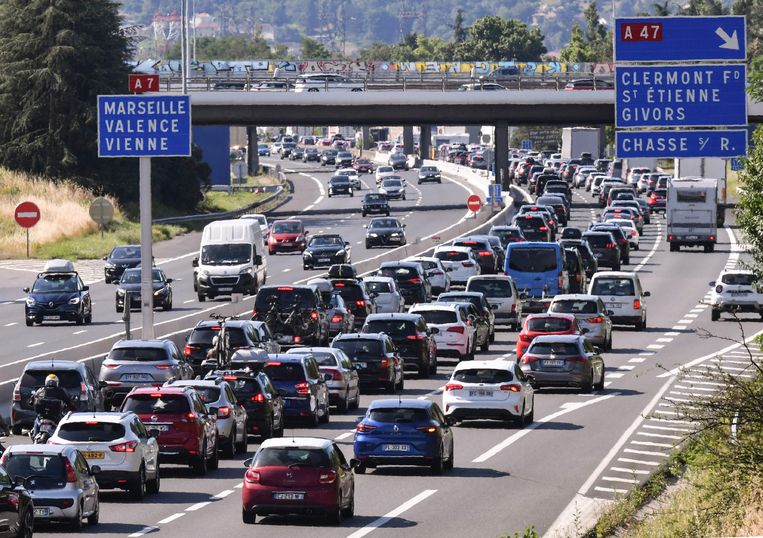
{"type": "Point", "coordinates": [144, 126]}
{"type": "Point", "coordinates": [527, 144]}
{"type": "Point", "coordinates": [736, 165]}
{"type": "Point", "coordinates": [680, 144]}
{"type": "Point", "coordinates": [494, 192]}
{"type": "Point", "coordinates": [670, 39]}
{"type": "Point", "coordinates": [680, 95]}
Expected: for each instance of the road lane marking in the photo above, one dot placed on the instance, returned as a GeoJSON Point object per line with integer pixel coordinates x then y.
{"type": "Point", "coordinates": [80, 331]}
{"type": "Point", "coordinates": [691, 316]}
{"type": "Point", "coordinates": [614, 375]}
{"type": "Point", "coordinates": [667, 339]}
{"type": "Point", "coordinates": [655, 346]}
{"type": "Point", "coordinates": [660, 435]}
{"type": "Point", "coordinates": [679, 327]}
{"type": "Point", "coordinates": [626, 367]}
{"type": "Point", "coordinates": [223, 494]}
{"type": "Point", "coordinates": [637, 359]}
{"type": "Point", "coordinates": [645, 452]}
{"type": "Point", "coordinates": [12, 323]}
{"type": "Point", "coordinates": [639, 462]}
{"type": "Point", "coordinates": [188, 301]}
{"type": "Point", "coordinates": [610, 490]}
{"type": "Point", "coordinates": [629, 471]}
{"type": "Point", "coordinates": [704, 358]}
{"type": "Point", "coordinates": [36, 344]}
{"type": "Point", "coordinates": [143, 532]}
{"type": "Point", "coordinates": [618, 479]}
{"type": "Point", "coordinates": [171, 518]}
{"type": "Point", "coordinates": [672, 333]}
{"type": "Point", "coordinates": [652, 251]}
{"type": "Point", "coordinates": [685, 321]}
{"type": "Point", "coordinates": [344, 435]}
{"type": "Point", "coordinates": [386, 518]}
{"type": "Point", "coordinates": [198, 506]}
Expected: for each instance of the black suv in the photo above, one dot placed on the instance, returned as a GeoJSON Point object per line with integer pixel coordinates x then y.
{"type": "Point", "coordinates": [311, 154]}
{"type": "Point", "coordinates": [328, 157]}
{"type": "Point", "coordinates": [573, 263]}
{"type": "Point", "coordinates": [429, 173]}
{"type": "Point", "coordinates": [534, 227]}
{"type": "Point", "coordinates": [375, 204]}
{"type": "Point", "coordinates": [483, 251]}
{"type": "Point", "coordinates": [411, 280]}
{"type": "Point", "coordinates": [294, 314]}
{"type": "Point", "coordinates": [355, 297]}
{"type": "Point", "coordinates": [75, 378]}
{"type": "Point", "coordinates": [343, 159]}
{"type": "Point", "coordinates": [339, 185]}
{"type": "Point", "coordinates": [325, 250]}
{"type": "Point", "coordinates": [622, 240]}
{"type": "Point", "coordinates": [385, 232]}
{"type": "Point", "coordinates": [58, 295]}
{"type": "Point", "coordinates": [604, 247]}
{"type": "Point", "coordinates": [375, 357]}
{"type": "Point", "coordinates": [199, 342]}
{"type": "Point", "coordinates": [413, 338]}
{"type": "Point", "coordinates": [300, 382]}
{"type": "Point", "coordinates": [589, 259]}
{"type": "Point", "coordinates": [120, 258]}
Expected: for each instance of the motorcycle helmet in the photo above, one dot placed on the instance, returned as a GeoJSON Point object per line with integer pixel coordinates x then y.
{"type": "Point", "coordinates": [51, 380]}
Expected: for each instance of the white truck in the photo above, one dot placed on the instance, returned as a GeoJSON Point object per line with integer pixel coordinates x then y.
{"type": "Point", "coordinates": [692, 213]}
{"type": "Point", "coordinates": [707, 167]}
{"type": "Point", "coordinates": [577, 140]}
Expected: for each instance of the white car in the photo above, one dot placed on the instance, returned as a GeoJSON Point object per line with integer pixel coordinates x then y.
{"type": "Point", "coordinates": [436, 273]}
{"type": "Point", "coordinates": [384, 171]}
{"type": "Point", "coordinates": [734, 291]}
{"type": "Point", "coordinates": [387, 297]}
{"type": "Point", "coordinates": [460, 262]}
{"type": "Point", "coordinates": [261, 219]}
{"type": "Point", "coordinates": [629, 227]}
{"type": "Point", "coordinates": [622, 295]}
{"type": "Point", "coordinates": [493, 389]}
{"type": "Point", "coordinates": [501, 292]}
{"type": "Point", "coordinates": [353, 175]}
{"type": "Point", "coordinates": [581, 174]}
{"type": "Point", "coordinates": [393, 187]}
{"type": "Point", "coordinates": [455, 335]}
{"type": "Point", "coordinates": [321, 82]}
{"type": "Point", "coordinates": [120, 444]}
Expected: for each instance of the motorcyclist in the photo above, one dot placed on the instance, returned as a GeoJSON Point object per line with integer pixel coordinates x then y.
{"type": "Point", "coordinates": [43, 401]}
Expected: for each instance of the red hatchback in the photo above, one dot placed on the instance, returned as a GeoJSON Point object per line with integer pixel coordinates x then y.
{"type": "Point", "coordinates": [538, 324]}
{"type": "Point", "coordinates": [187, 430]}
{"type": "Point", "coordinates": [363, 165]}
{"type": "Point", "coordinates": [287, 236]}
{"type": "Point", "coordinates": [298, 475]}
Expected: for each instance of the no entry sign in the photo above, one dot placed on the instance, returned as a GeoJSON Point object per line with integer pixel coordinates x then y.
{"type": "Point", "coordinates": [474, 203]}
{"type": "Point", "coordinates": [27, 214]}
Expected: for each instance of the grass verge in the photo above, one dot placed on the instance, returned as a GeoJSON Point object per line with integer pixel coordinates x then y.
{"type": "Point", "coordinates": [215, 201]}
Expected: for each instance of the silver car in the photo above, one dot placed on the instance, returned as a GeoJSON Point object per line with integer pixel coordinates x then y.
{"type": "Point", "coordinates": [340, 375]}
{"type": "Point", "coordinates": [501, 292]}
{"type": "Point", "coordinates": [436, 273]}
{"type": "Point", "coordinates": [387, 297]}
{"type": "Point", "coordinates": [60, 481]}
{"type": "Point", "coordinates": [393, 187]}
{"type": "Point", "coordinates": [591, 314]}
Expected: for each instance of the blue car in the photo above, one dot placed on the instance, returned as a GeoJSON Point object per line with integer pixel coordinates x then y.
{"type": "Point", "coordinates": [538, 270]}
{"type": "Point", "coordinates": [263, 150]}
{"type": "Point", "coordinates": [302, 386]}
{"type": "Point", "coordinates": [404, 432]}
{"type": "Point", "coordinates": [58, 294]}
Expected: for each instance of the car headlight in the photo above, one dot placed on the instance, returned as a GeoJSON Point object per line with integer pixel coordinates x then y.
{"type": "Point", "coordinates": [245, 270]}
{"type": "Point", "coordinates": [340, 252]}
{"type": "Point", "coordinates": [120, 292]}
{"type": "Point", "coordinates": [204, 272]}
{"type": "Point", "coordinates": [307, 254]}
{"type": "Point", "coordinates": [373, 235]}
{"type": "Point", "coordinates": [74, 300]}
{"type": "Point", "coordinates": [395, 234]}
{"type": "Point", "coordinates": [108, 265]}
{"type": "Point", "coordinates": [162, 291]}
{"type": "Point", "coordinates": [30, 301]}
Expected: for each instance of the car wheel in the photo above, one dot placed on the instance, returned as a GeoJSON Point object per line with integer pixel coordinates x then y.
{"type": "Point", "coordinates": [349, 510]}
{"type": "Point", "coordinates": [16, 429]}
{"type": "Point", "coordinates": [600, 384]}
{"type": "Point", "coordinates": [424, 369]}
{"type": "Point", "coordinates": [433, 367]}
{"type": "Point", "coordinates": [76, 523]}
{"type": "Point", "coordinates": [201, 297]}
{"type": "Point", "coordinates": [531, 416]}
{"type": "Point", "coordinates": [200, 463]}
{"type": "Point", "coordinates": [587, 387]}
{"type": "Point", "coordinates": [155, 485]}
{"type": "Point", "coordinates": [364, 213]}
{"type": "Point", "coordinates": [344, 403]}
{"type": "Point", "coordinates": [391, 386]}
{"type": "Point", "coordinates": [715, 315]}
{"type": "Point", "coordinates": [214, 460]}
{"type": "Point", "coordinates": [627, 260]}
{"type": "Point", "coordinates": [167, 306]}
{"type": "Point", "coordinates": [29, 322]}
{"type": "Point", "coordinates": [368, 245]}
{"type": "Point", "coordinates": [89, 318]}
{"type": "Point", "coordinates": [278, 432]}
{"type": "Point", "coordinates": [360, 469]}
{"type": "Point", "coordinates": [616, 267]}
{"type": "Point", "coordinates": [26, 525]}
{"type": "Point", "coordinates": [80, 319]}
{"type": "Point", "coordinates": [336, 516]}
{"type": "Point", "coordinates": [93, 518]}
{"type": "Point", "coordinates": [641, 325]}
{"type": "Point", "coordinates": [326, 416]}
{"type": "Point", "coordinates": [485, 346]}
{"type": "Point", "coordinates": [138, 485]}
{"type": "Point", "coordinates": [229, 448]}
{"type": "Point", "coordinates": [242, 447]}
{"type": "Point", "coordinates": [437, 464]}
{"type": "Point", "coordinates": [120, 309]}
{"type": "Point", "coordinates": [492, 336]}
{"type": "Point", "coordinates": [249, 517]}
{"type": "Point", "coordinates": [387, 214]}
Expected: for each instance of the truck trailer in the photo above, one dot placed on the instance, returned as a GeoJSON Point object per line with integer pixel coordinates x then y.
{"type": "Point", "coordinates": [692, 213]}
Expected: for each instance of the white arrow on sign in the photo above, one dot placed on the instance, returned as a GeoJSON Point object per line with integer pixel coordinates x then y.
{"type": "Point", "coordinates": [729, 41]}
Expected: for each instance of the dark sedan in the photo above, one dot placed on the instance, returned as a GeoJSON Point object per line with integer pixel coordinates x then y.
{"type": "Point", "coordinates": [121, 257]}
{"type": "Point", "coordinates": [563, 361]}
{"type": "Point", "coordinates": [129, 284]}
{"type": "Point", "coordinates": [375, 204]}
{"type": "Point", "coordinates": [328, 157]}
{"type": "Point", "coordinates": [385, 232]}
{"type": "Point", "coordinates": [324, 250]}
{"type": "Point", "coordinates": [311, 154]}
{"type": "Point", "coordinates": [340, 185]}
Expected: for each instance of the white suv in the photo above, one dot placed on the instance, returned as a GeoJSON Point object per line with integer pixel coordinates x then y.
{"type": "Point", "coordinates": [120, 444]}
{"type": "Point", "coordinates": [501, 292]}
{"type": "Point", "coordinates": [622, 295]}
{"type": "Point", "coordinates": [734, 291]}
{"type": "Point", "coordinates": [460, 263]}
{"type": "Point", "coordinates": [387, 297]}
{"type": "Point", "coordinates": [455, 335]}
{"type": "Point", "coordinates": [321, 82]}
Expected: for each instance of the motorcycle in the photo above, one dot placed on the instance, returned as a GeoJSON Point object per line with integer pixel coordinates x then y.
{"type": "Point", "coordinates": [48, 414]}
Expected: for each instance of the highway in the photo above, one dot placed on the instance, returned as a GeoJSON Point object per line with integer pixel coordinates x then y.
{"type": "Point", "coordinates": [585, 448]}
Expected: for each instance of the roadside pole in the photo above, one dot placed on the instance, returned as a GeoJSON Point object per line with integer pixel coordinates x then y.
{"type": "Point", "coordinates": [146, 250]}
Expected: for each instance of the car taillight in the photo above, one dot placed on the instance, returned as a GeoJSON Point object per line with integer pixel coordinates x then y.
{"type": "Point", "coordinates": [302, 388]}
{"type": "Point", "coordinates": [251, 476]}
{"type": "Point", "coordinates": [511, 388]}
{"type": "Point", "coordinates": [162, 367]}
{"type": "Point", "coordinates": [427, 429]}
{"type": "Point", "coordinates": [527, 359]}
{"type": "Point", "coordinates": [484, 253]}
{"type": "Point", "coordinates": [453, 386]}
{"type": "Point", "coordinates": [718, 289]}
{"type": "Point", "coordinates": [361, 303]}
{"type": "Point", "coordinates": [17, 391]}
{"type": "Point", "coordinates": [456, 329]}
{"type": "Point", "coordinates": [415, 337]}
{"type": "Point", "coordinates": [636, 304]}
{"type": "Point", "coordinates": [257, 398]}
{"type": "Point", "coordinates": [223, 412]}
{"type": "Point", "coordinates": [610, 245]}
{"type": "Point", "coordinates": [575, 359]}
{"type": "Point", "coordinates": [467, 264]}
{"type": "Point", "coordinates": [560, 280]}
{"type": "Point", "coordinates": [337, 318]}
{"type": "Point", "coordinates": [129, 446]}
{"type": "Point", "coordinates": [189, 417]}
{"type": "Point", "coordinates": [543, 228]}
{"type": "Point", "coordinates": [314, 315]}
{"type": "Point", "coordinates": [525, 337]}
{"type": "Point", "coordinates": [597, 319]}
{"type": "Point", "coordinates": [327, 477]}
{"type": "Point", "coordinates": [110, 366]}
{"type": "Point", "coordinates": [415, 280]}
{"type": "Point", "coordinates": [364, 428]}
{"type": "Point", "coordinates": [384, 363]}
{"type": "Point", "coordinates": [332, 374]}
{"type": "Point", "coordinates": [189, 349]}
{"type": "Point", "coordinates": [71, 476]}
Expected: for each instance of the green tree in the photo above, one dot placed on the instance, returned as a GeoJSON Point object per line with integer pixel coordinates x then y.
{"type": "Point", "coordinates": [377, 51]}
{"type": "Point", "coordinates": [459, 30]}
{"type": "Point", "coordinates": [233, 47]}
{"type": "Point", "coordinates": [662, 10]}
{"type": "Point", "coordinates": [598, 39]}
{"type": "Point", "coordinates": [313, 50]}
{"type": "Point", "coordinates": [494, 38]}
{"type": "Point", "coordinates": [576, 51]}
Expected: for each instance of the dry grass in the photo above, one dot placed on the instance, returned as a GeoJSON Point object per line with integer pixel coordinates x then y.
{"type": "Point", "coordinates": [63, 209]}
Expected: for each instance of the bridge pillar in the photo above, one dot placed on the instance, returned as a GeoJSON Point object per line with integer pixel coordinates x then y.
{"type": "Point", "coordinates": [425, 141]}
{"type": "Point", "coordinates": [365, 132]}
{"type": "Point", "coordinates": [252, 154]}
{"type": "Point", "coordinates": [408, 139]}
{"type": "Point", "coordinates": [502, 154]}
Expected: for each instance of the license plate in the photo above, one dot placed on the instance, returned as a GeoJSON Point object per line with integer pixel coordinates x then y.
{"type": "Point", "coordinates": [324, 260]}
{"type": "Point", "coordinates": [51, 318]}
{"type": "Point", "coordinates": [225, 289]}
{"type": "Point", "coordinates": [41, 512]}
{"type": "Point", "coordinates": [397, 448]}
{"type": "Point", "coordinates": [362, 364]}
{"type": "Point", "coordinates": [288, 496]}
{"type": "Point", "coordinates": [159, 427]}
{"type": "Point", "coordinates": [480, 392]}
{"type": "Point", "coordinates": [93, 455]}
{"type": "Point", "coordinates": [614, 305]}
{"type": "Point", "coordinates": [553, 362]}
{"type": "Point", "coordinates": [285, 339]}
{"type": "Point", "coordinates": [139, 378]}
{"type": "Point", "coordinates": [692, 237]}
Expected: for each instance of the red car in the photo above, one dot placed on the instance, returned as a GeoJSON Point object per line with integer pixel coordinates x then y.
{"type": "Point", "coordinates": [298, 475]}
{"type": "Point", "coordinates": [657, 200]}
{"type": "Point", "coordinates": [363, 165]}
{"type": "Point", "coordinates": [187, 431]}
{"type": "Point", "coordinates": [287, 236]}
{"type": "Point", "coordinates": [537, 324]}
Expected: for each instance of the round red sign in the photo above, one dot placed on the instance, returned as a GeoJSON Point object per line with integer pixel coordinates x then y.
{"type": "Point", "coordinates": [474, 203]}
{"type": "Point", "coordinates": [27, 214]}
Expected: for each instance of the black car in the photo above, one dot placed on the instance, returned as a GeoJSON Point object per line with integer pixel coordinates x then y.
{"type": "Point", "coordinates": [58, 294]}
{"type": "Point", "coordinates": [548, 211]}
{"type": "Point", "coordinates": [343, 159]}
{"type": "Point", "coordinates": [324, 250]}
{"type": "Point", "coordinates": [534, 226]}
{"type": "Point", "coordinates": [398, 161]}
{"type": "Point", "coordinates": [411, 280]}
{"type": "Point", "coordinates": [342, 270]}
{"type": "Point", "coordinates": [286, 149]}
{"type": "Point", "coordinates": [604, 247]}
{"type": "Point", "coordinates": [298, 379]}
{"type": "Point", "coordinates": [483, 251]}
{"type": "Point", "coordinates": [311, 154]}
{"type": "Point", "coordinates": [508, 234]}
{"type": "Point", "coordinates": [573, 263]}
{"type": "Point", "coordinates": [199, 342]}
{"type": "Point", "coordinates": [384, 232]}
{"type": "Point", "coordinates": [356, 299]}
{"type": "Point", "coordinates": [340, 185]}
{"type": "Point", "coordinates": [561, 211]}
{"type": "Point", "coordinates": [120, 258]}
{"type": "Point", "coordinates": [294, 314]}
{"type": "Point", "coordinates": [429, 173]}
{"type": "Point", "coordinates": [129, 286]}
{"type": "Point", "coordinates": [297, 153]}
{"type": "Point", "coordinates": [589, 259]}
{"type": "Point", "coordinates": [538, 183]}
{"type": "Point", "coordinates": [375, 357]}
{"type": "Point", "coordinates": [413, 338]}
{"type": "Point", "coordinates": [328, 157]}
{"type": "Point", "coordinates": [18, 508]}
{"type": "Point", "coordinates": [572, 233]}
{"type": "Point", "coordinates": [375, 204]}
{"type": "Point", "coordinates": [480, 302]}
{"type": "Point", "coordinates": [622, 240]}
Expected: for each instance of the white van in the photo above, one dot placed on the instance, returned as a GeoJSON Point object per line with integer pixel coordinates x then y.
{"type": "Point", "coordinates": [623, 297]}
{"type": "Point", "coordinates": [230, 259]}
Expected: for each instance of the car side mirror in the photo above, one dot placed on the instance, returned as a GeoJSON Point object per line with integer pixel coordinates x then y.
{"type": "Point", "coordinates": [584, 331]}
{"type": "Point", "coordinates": [646, 294]}
{"type": "Point", "coordinates": [711, 284]}
{"type": "Point", "coordinates": [523, 295]}
{"type": "Point", "coordinates": [105, 258]}
{"type": "Point", "coordinates": [95, 470]}
{"type": "Point", "coordinates": [169, 281]}
{"type": "Point", "coordinates": [248, 462]}
{"type": "Point", "coordinates": [365, 226]}
{"type": "Point", "coordinates": [102, 384]}
{"type": "Point", "coordinates": [85, 288]}
{"type": "Point", "coordinates": [346, 243]}
{"type": "Point", "coordinates": [434, 330]}
{"type": "Point", "coordinates": [596, 349]}
{"type": "Point", "coordinates": [258, 259]}
{"type": "Point", "coordinates": [494, 306]}
{"type": "Point", "coordinates": [305, 232]}
{"type": "Point", "coordinates": [195, 262]}
{"type": "Point", "coordinates": [25, 290]}
{"type": "Point", "coordinates": [212, 411]}
{"type": "Point", "coordinates": [405, 225]}
{"type": "Point", "coordinates": [450, 421]}
{"type": "Point", "coordinates": [354, 463]}
{"type": "Point", "coordinates": [154, 433]}
{"type": "Point", "coordinates": [610, 313]}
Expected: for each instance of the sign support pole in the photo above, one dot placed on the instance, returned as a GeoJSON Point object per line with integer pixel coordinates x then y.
{"type": "Point", "coordinates": [146, 255]}
{"type": "Point", "coordinates": [27, 242]}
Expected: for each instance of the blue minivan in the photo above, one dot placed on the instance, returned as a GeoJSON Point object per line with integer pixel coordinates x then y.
{"type": "Point", "coordinates": [538, 271]}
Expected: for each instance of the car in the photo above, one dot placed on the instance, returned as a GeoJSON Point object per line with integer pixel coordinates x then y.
{"type": "Point", "coordinates": [631, 232]}
{"type": "Point", "coordinates": [237, 334]}
{"type": "Point", "coordinates": [591, 315]}
{"type": "Point", "coordinates": [483, 250]}
{"type": "Point", "coordinates": [324, 250]}
{"type": "Point", "coordinates": [404, 432]}
{"type": "Point", "coordinates": [393, 187]}
{"type": "Point", "coordinates": [534, 226]}
{"type": "Point", "coordinates": [604, 248]}
{"type": "Point", "coordinates": [60, 482]}
{"type": "Point", "coordinates": [507, 234]}
{"type": "Point", "coordinates": [383, 171]}
{"type": "Point", "coordinates": [344, 160]}
{"type": "Point", "coordinates": [460, 262]}
{"type": "Point", "coordinates": [589, 84]}
{"type": "Point", "coordinates": [620, 239]}
{"type": "Point", "coordinates": [273, 86]}
{"type": "Point", "coordinates": [414, 339]}
{"type": "Point", "coordinates": [297, 153]}
{"type": "Point", "coordinates": [501, 292]}
{"type": "Point", "coordinates": [429, 173]}
{"type": "Point", "coordinates": [120, 444]}
{"type": "Point", "coordinates": [339, 314]}
{"type": "Point", "coordinates": [573, 263]}
{"type": "Point", "coordinates": [232, 432]}
{"type": "Point", "coordinates": [559, 205]}
{"type": "Point", "coordinates": [494, 389]}
{"type": "Point", "coordinates": [436, 273]}
{"type": "Point", "coordinates": [299, 381]}
{"type": "Point", "coordinates": [261, 219]}
{"type": "Point", "coordinates": [287, 236]}
{"type": "Point", "coordinates": [563, 361]}
{"type": "Point", "coordinates": [120, 258]}
{"type": "Point", "coordinates": [657, 200]}
{"type": "Point", "coordinates": [735, 291]}
{"type": "Point", "coordinates": [456, 334]}
{"type": "Point", "coordinates": [410, 278]}
{"type": "Point", "coordinates": [376, 359]}
{"type": "Point", "coordinates": [623, 296]}
{"type": "Point", "coordinates": [341, 376]}
{"type": "Point", "coordinates": [538, 270]}
{"type": "Point", "coordinates": [639, 204]}
{"type": "Point", "coordinates": [363, 165]}
{"type": "Point", "coordinates": [356, 298]}
{"type": "Point", "coordinates": [263, 150]}
{"type": "Point", "coordinates": [384, 232]}
{"type": "Point", "coordinates": [311, 154]}
{"type": "Point", "coordinates": [286, 149]}
{"type": "Point", "coordinates": [319, 82]}
{"type": "Point", "coordinates": [299, 475]}
{"type": "Point", "coordinates": [294, 314]}
{"type": "Point", "coordinates": [328, 157]}
{"type": "Point", "coordinates": [398, 161]}
{"type": "Point", "coordinates": [481, 86]}
{"type": "Point", "coordinates": [481, 305]}
{"type": "Point", "coordinates": [129, 287]}
{"type": "Point", "coordinates": [187, 430]}
{"type": "Point", "coordinates": [544, 323]}
{"type": "Point", "coordinates": [199, 342]}
{"type": "Point", "coordinates": [374, 203]}
{"type": "Point", "coordinates": [385, 295]}
{"type": "Point", "coordinates": [342, 270]}
{"type": "Point", "coordinates": [58, 294]}
{"type": "Point", "coordinates": [76, 378]}
{"type": "Point", "coordinates": [590, 263]}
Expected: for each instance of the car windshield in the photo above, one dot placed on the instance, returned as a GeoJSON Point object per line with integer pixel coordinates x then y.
{"type": "Point", "coordinates": [383, 169]}
{"type": "Point", "coordinates": [285, 371]}
{"type": "Point", "coordinates": [451, 255]}
{"type": "Point", "coordinates": [55, 283]}
{"type": "Point", "coordinates": [399, 273]}
{"type": "Point", "coordinates": [203, 335]}
{"type": "Point", "coordinates": [598, 240]}
{"type": "Point", "coordinates": [208, 394]}
{"type": "Point", "coordinates": [375, 198]}
{"type": "Point", "coordinates": [286, 297]}
{"type": "Point", "coordinates": [438, 317]}
{"type": "Point", "coordinates": [291, 456]}
{"type": "Point", "coordinates": [554, 348]}
{"type": "Point", "coordinates": [622, 287]}
{"type": "Point", "coordinates": [132, 276]}
{"type": "Point", "coordinates": [533, 260]}
{"type": "Point", "coordinates": [228, 254]}
{"type": "Point", "coordinates": [144, 404]}
{"type": "Point", "coordinates": [349, 291]}
{"type": "Point", "coordinates": [287, 227]}
{"type": "Point", "coordinates": [378, 287]}
{"type": "Point", "coordinates": [92, 430]}
{"type": "Point", "coordinates": [326, 240]}
{"type": "Point", "coordinates": [244, 387]}
{"type": "Point", "coordinates": [398, 415]}
{"type": "Point", "coordinates": [530, 223]}
{"type": "Point", "coordinates": [45, 471]}
{"type": "Point", "coordinates": [574, 307]}
{"type": "Point", "coordinates": [125, 252]}
{"type": "Point", "coordinates": [483, 375]}
{"type": "Point", "coordinates": [391, 183]}
{"type": "Point", "coordinates": [340, 180]}
{"type": "Point", "coordinates": [383, 223]}
{"type": "Point", "coordinates": [738, 279]}
{"type": "Point", "coordinates": [497, 287]}
{"type": "Point", "coordinates": [360, 349]}
{"type": "Point", "coordinates": [392, 327]}
{"type": "Point", "coordinates": [428, 169]}
{"type": "Point", "coordinates": [323, 358]}
{"type": "Point", "coordinates": [68, 379]}
{"type": "Point", "coordinates": [140, 354]}
{"type": "Point", "coordinates": [548, 325]}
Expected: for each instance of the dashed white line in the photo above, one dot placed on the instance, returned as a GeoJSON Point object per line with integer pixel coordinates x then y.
{"type": "Point", "coordinates": [614, 375]}
{"type": "Point", "coordinates": [679, 327]}
{"type": "Point", "coordinates": [287, 270]}
{"type": "Point", "coordinates": [618, 479]}
{"type": "Point", "coordinates": [685, 321]}
{"type": "Point", "coordinates": [610, 490]}
{"type": "Point", "coordinates": [664, 340]}
{"type": "Point", "coordinates": [223, 494]}
{"type": "Point", "coordinates": [655, 346]}
{"type": "Point", "coordinates": [36, 344]}
{"type": "Point", "coordinates": [80, 331]}
{"type": "Point", "coordinates": [637, 359]}
{"type": "Point", "coordinates": [344, 435]}
{"type": "Point", "coordinates": [188, 301]}
{"type": "Point", "coordinates": [197, 506]}
{"type": "Point", "coordinates": [386, 518]}
{"type": "Point", "coordinates": [626, 367]}
{"type": "Point", "coordinates": [11, 324]}
{"type": "Point", "coordinates": [142, 532]}
{"type": "Point", "coordinates": [171, 518]}
{"type": "Point", "coordinates": [629, 471]}
{"type": "Point", "coordinates": [639, 462]}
